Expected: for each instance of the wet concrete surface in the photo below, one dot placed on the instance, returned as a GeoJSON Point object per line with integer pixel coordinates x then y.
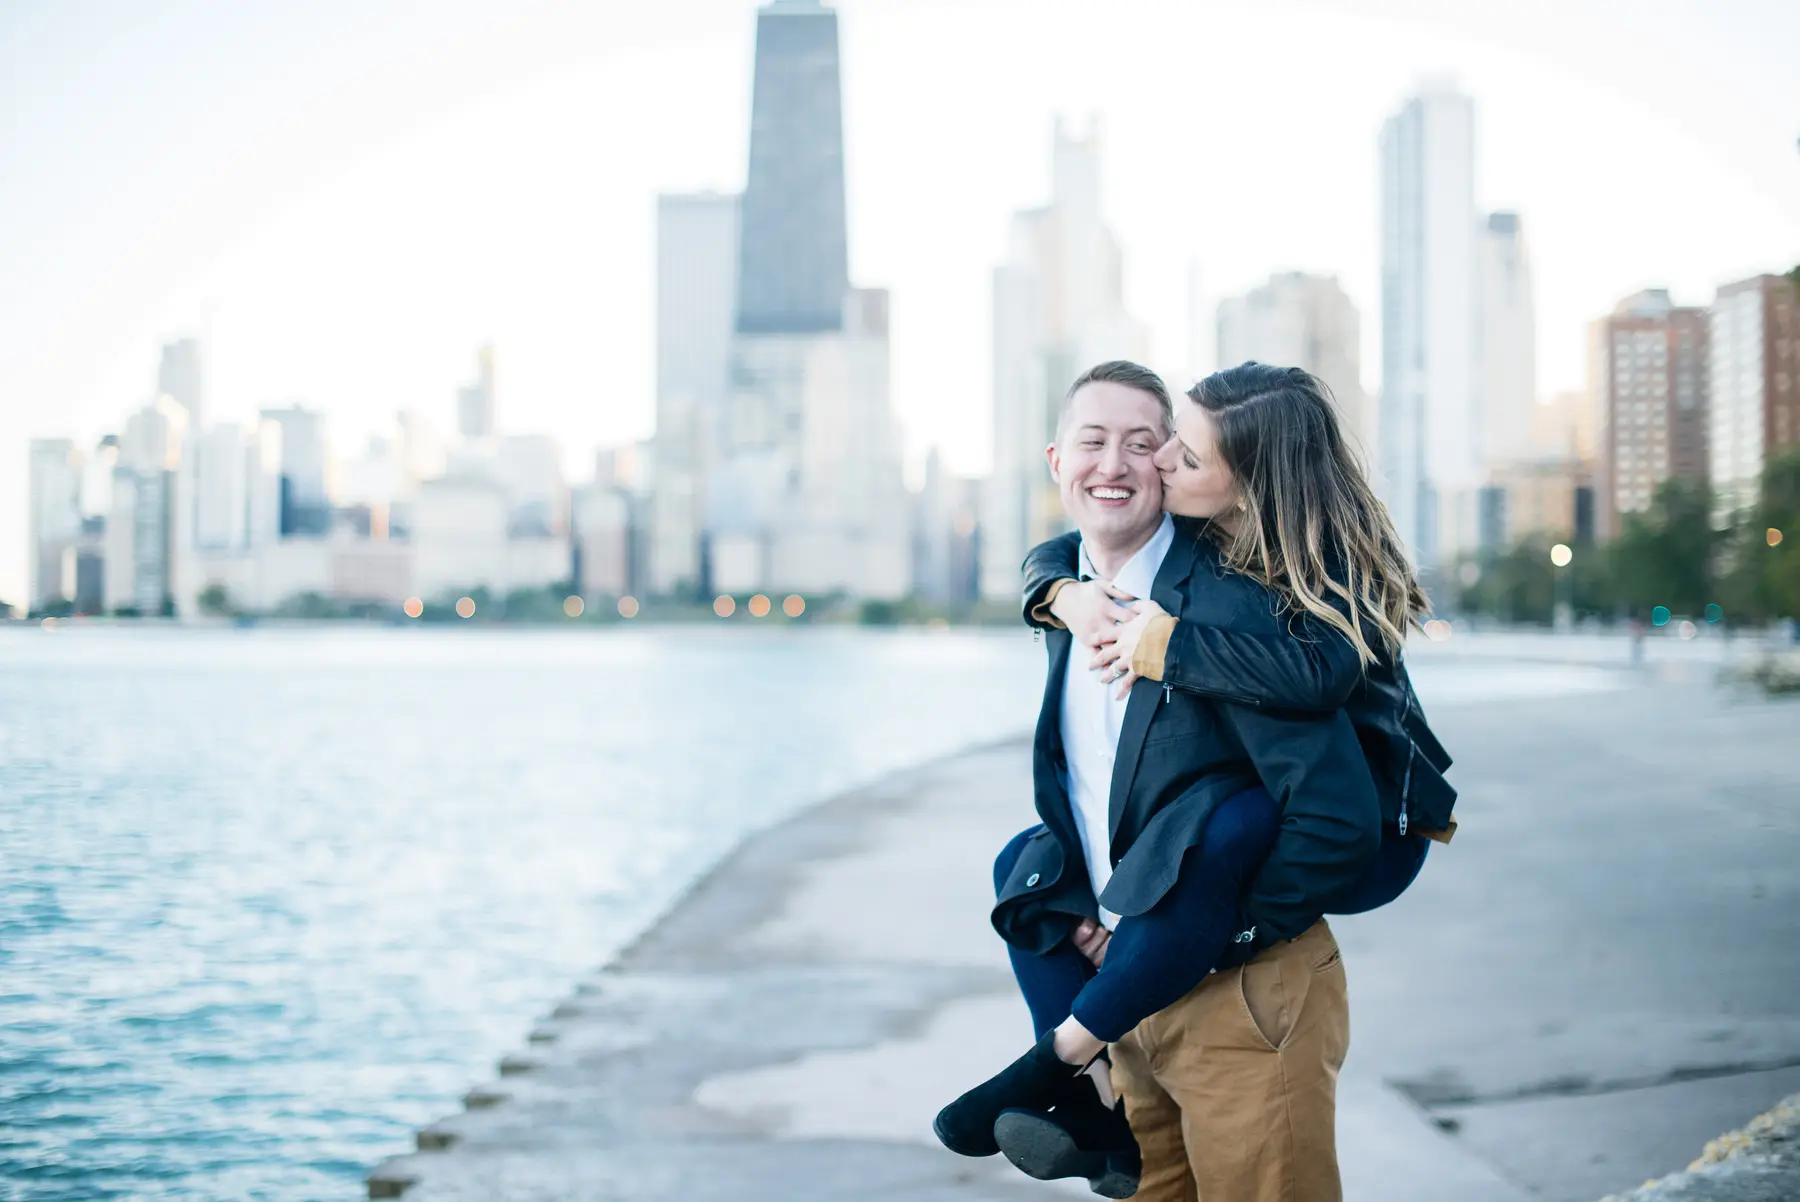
{"type": "Point", "coordinates": [1602, 970]}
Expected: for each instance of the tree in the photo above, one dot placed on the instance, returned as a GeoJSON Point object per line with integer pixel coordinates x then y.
{"type": "Point", "coordinates": [1664, 555]}
{"type": "Point", "coordinates": [308, 605]}
{"type": "Point", "coordinates": [1762, 562]}
{"type": "Point", "coordinates": [215, 601]}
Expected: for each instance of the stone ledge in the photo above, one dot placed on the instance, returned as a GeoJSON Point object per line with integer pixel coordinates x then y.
{"type": "Point", "coordinates": [1760, 1162]}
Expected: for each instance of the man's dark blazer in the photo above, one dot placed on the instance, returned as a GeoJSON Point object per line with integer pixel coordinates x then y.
{"type": "Point", "coordinates": [1179, 755]}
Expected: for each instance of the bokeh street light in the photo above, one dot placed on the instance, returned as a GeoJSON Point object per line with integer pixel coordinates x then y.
{"type": "Point", "coordinates": [1563, 612]}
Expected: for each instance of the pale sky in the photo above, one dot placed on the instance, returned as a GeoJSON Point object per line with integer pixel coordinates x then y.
{"type": "Point", "coordinates": [343, 198]}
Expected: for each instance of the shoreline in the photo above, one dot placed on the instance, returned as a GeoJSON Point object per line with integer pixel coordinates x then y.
{"type": "Point", "coordinates": [787, 1027]}
{"type": "Point", "coordinates": [741, 932]}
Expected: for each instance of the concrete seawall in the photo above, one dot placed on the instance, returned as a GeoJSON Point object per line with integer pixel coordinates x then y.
{"type": "Point", "coordinates": [1599, 975]}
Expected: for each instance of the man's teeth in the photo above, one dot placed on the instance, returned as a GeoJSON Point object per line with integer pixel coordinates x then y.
{"type": "Point", "coordinates": [1110, 494]}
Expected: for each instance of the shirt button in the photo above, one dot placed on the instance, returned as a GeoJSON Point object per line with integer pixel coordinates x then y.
{"type": "Point", "coordinates": [1031, 880]}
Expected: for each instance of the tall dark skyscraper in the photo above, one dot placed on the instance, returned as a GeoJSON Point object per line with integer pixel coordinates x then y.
{"type": "Point", "coordinates": [793, 270]}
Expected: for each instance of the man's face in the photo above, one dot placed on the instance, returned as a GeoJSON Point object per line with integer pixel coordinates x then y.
{"type": "Point", "coordinates": [1103, 462]}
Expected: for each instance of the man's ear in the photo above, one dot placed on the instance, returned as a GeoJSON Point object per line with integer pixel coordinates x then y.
{"type": "Point", "coordinates": [1055, 461]}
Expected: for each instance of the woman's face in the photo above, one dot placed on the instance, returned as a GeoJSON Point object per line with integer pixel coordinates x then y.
{"type": "Point", "coordinates": [1196, 482]}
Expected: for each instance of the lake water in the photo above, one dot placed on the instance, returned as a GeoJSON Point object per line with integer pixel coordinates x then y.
{"type": "Point", "coordinates": [270, 900]}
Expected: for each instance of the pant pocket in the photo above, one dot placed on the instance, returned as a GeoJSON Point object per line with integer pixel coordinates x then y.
{"type": "Point", "coordinates": [1273, 991]}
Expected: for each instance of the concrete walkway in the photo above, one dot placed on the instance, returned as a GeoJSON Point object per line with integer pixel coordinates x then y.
{"type": "Point", "coordinates": [1599, 975]}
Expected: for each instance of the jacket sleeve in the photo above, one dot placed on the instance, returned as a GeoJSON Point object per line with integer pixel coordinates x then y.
{"type": "Point", "coordinates": [1330, 815]}
{"type": "Point", "coordinates": [1312, 668]}
{"type": "Point", "coordinates": [1047, 563]}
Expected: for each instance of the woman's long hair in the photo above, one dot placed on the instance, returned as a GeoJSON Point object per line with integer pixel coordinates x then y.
{"type": "Point", "coordinates": [1312, 529]}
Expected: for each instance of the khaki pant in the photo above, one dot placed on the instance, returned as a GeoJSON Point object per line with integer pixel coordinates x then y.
{"type": "Point", "coordinates": [1232, 1091]}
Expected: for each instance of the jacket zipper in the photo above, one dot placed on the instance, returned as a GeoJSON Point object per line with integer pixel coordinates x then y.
{"type": "Point", "coordinates": [1406, 785]}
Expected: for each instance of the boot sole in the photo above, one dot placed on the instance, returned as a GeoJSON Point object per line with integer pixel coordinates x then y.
{"type": "Point", "coordinates": [1040, 1148]}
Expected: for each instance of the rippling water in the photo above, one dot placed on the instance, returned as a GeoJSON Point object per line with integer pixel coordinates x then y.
{"type": "Point", "coordinates": [271, 900]}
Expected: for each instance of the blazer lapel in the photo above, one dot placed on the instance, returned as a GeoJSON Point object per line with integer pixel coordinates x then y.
{"type": "Point", "coordinates": [1140, 707]}
{"type": "Point", "coordinates": [1052, 788]}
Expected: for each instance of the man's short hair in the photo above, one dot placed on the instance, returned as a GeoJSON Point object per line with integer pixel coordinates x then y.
{"type": "Point", "coordinates": [1129, 374]}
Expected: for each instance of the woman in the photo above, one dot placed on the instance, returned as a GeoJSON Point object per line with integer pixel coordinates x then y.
{"type": "Point", "coordinates": [1259, 459]}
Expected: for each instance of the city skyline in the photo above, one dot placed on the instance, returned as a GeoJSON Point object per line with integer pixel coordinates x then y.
{"type": "Point", "coordinates": [81, 356]}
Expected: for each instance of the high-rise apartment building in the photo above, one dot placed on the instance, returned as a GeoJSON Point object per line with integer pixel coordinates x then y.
{"type": "Point", "coordinates": [1059, 308]}
{"type": "Point", "coordinates": [1430, 430]}
{"type": "Point", "coordinates": [794, 260]}
{"type": "Point", "coordinates": [1648, 370]}
{"type": "Point", "coordinates": [475, 401]}
{"type": "Point", "coordinates": [696, 295]}
{"type": "Point", "coordinates": [809, 496]}
{"type": "Point", "coordinates": [1754, 409]}
{"type": "Point", "coordinates": [529, 470]}
{"type": "Point", "coordinates": [1306, 321]}
{"type": "Point", "coordinates": [946, 536]}
{"type": "Point", "coordinates": [55, 517]}
{"type": "Point", "coordinates": [305, 499]}
{"type": "Point", "coordinates": [178, 375]}
{"type": "Point", "coordinates": [221, 489]}
{"type": "Point", "coordinates": [149, 527]}
{"type": "Point", "coordinates": [1507, 392]}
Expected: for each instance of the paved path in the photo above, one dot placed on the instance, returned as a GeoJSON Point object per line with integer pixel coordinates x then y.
{"type": "Point", "coordinates": [1599, 975]}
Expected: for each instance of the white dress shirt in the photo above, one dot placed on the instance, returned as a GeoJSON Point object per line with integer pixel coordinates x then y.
{"type": "Point", "coordinates": [1092, 719]}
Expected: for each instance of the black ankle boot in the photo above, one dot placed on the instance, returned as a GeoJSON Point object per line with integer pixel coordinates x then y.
{"type": "Point", "coordinates": [1082, 1137]}
{"type": "Point", "coordinates": [1038, 1080]}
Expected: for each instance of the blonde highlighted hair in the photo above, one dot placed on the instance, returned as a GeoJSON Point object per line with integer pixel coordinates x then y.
{"type": "Point", "coordinates": [1312, 528]}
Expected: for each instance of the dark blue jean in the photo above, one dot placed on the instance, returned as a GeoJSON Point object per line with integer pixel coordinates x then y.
{"type": "Point", "coordinates": [1157, 957]}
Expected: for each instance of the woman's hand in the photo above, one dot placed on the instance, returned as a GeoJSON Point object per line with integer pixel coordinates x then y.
{"type": "Point", "coordinates": [1113, 661]}
{"type": "Point", "coordinates": [1090, 940]}
{"type": "Point", "coordinates": [1092, 610]}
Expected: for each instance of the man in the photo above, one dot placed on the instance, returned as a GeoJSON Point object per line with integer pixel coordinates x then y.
{"type": "Point", "coordinates": [1230, 1091]}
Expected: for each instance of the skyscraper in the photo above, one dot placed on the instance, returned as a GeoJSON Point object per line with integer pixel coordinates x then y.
{"type": "Point", "coordinates": [1508, 345]}
{"type": "Point", "coordinates": [475, 402]}
{"type": "Point", "coordinates": [696, 291]}
{"type": "Point", "coordinates": [179, 376]}
{"type": "Point", "coordinates": [55, 482]}
{"type": "Point", "coordinates": [150, 525]}
{"type": "Point", "coordinates": [1059, 308]}
{"type": "Point", "coordinates": [1755, 401]}
{"type": "Point", "coordinates": [221, 489]}
{"type": "Point", "coordinates": [794, 266]}
{"type": "Point", "coordinates": [804, 492]}
{"type": "Point", "coordinates": [1430, 432]}
{"type": "Point", "coordinates": [1648, 366]}
{"type": "Point", "coordinates": [1300, 320]}
{"type": "Point", "coordinates": [305, 502]}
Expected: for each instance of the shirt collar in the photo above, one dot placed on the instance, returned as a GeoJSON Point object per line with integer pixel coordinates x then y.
{"type": "Point", "coordinates": [1138, 576]}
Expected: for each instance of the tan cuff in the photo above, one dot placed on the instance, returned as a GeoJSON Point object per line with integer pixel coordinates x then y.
{"type": "Point", "coordinates": [1153, 647]}
{"type": "Point", "coordinates": [1042, 612]}
{"type": "Point", "coordinates": [1445, 835]}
